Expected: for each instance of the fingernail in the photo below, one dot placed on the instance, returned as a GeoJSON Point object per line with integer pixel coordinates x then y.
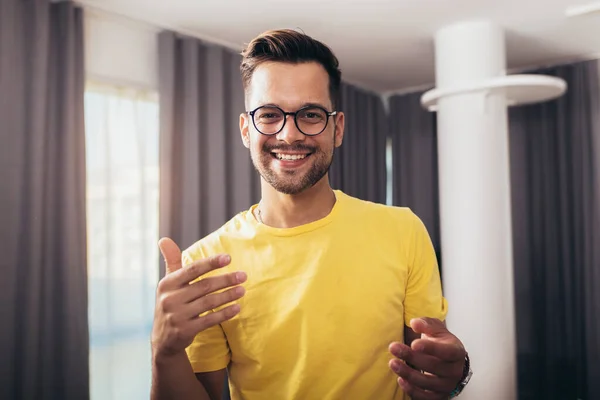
{"type": "Point", "coordinates": [239, 290]}
{"type": "Point", "coordinates": [240, 276]}
{"type": "Point", "coordinates": [401, 351]}
{"type": "Point", "coordinates": [402, 383]}
{"type": "Point", "coordinates": [234, 309]}
{"type": "Point", "coordinates": [225, 259]}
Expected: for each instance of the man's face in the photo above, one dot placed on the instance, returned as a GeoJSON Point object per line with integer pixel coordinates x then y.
{"type": "Point", "coordinates": [290, 161]}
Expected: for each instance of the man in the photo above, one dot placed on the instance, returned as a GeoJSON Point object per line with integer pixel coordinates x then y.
{"type": "Point", "coordinates": [309, 294]}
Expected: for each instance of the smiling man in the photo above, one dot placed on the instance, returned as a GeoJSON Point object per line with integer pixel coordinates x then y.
{"type": "Point", "coordinates": [311, 293]}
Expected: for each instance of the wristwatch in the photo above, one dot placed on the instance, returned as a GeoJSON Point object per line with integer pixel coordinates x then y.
{"type": "Point", "coordinates": [466, 377]}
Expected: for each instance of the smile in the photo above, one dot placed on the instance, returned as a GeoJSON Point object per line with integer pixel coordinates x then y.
{"type": "Point", "coordinates": [290, 157]}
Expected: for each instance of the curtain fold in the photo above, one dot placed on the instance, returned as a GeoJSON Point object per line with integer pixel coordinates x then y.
{"type": "Point", "coordinates": [414, 161]}
{"type": "Point", "coordinates": [206, 174]}
{"type": "Point", "coordinates": [358, 166]}
{"type": "Point", "coordinates": [43, 229]}
{"type": "Point", "coordinates": [555, 176]}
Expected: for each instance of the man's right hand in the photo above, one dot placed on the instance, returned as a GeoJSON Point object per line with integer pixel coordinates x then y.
{"type": "Point", "coordinates": [179, 304]}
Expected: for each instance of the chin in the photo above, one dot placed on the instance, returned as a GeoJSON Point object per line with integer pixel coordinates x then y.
{"type": "Point", "coordinates": [290, 188]}
{"type": "Point", "coordinates": [294, 180]}
{"type": "Point", "coordinates": [290, 191]}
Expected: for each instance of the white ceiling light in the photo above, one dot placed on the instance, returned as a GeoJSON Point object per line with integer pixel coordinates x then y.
{"type": "Point", "coordinates": [461, 46]}
{"type": "Point", "coordinates": [519, 90]}
{"type": "Point", "coordinates": [578, 11]}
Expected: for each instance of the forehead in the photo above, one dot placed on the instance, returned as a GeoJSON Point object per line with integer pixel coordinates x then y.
{"type": "Point", "coordinates": [289, 85]}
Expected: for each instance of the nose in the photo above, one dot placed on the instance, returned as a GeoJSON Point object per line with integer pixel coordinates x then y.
{"type": "Point", "coordinates": [290, 132]}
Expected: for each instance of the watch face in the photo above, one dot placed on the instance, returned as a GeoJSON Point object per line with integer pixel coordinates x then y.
{"type": "Point", "coordinates": [467, 374]}
{"type": "Point", "coordinates": [468, 377]}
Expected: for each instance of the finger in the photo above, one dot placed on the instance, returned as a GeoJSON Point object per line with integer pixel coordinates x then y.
{"type": "Point", "coordinates": [212, 301]}
{"type": "Point", "coordinates": [195, 270]}
{"type": "Point", "coordinates": [212, 284]}
{"type": "Point", "coordinates": [416, 393]}
{"type": "Point", "coordinates": [448, 352]}
{"type": "Point", "coordinates": [428, 326]}
{"type": "Point", "coordinates": [422, 361]}
{"type": "Point", "coordinates": [187, 293]}
{"type": "Point", "coordinates": [171, 253]}
{"type": "Point", "coordinates": [423, 381]}
{"type": "Point", "coordinates": [215, 318]}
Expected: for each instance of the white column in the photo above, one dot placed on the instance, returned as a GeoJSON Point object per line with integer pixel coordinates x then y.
{"type": "Point", "coordinates": [475, 205]}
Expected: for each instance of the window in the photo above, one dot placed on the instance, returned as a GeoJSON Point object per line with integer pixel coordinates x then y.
{"type": "Point", "coordinates": [122, 128]}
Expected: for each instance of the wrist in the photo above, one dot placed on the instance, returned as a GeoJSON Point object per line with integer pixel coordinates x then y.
{"type": "Point", "coordinates": [466, 377]}
{"type": "Point", "coordinates": [161, 357]}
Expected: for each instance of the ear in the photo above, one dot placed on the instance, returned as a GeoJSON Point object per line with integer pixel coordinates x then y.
{"type": "Point", "coordinates": [244, 120]}
{"type": "Point", "coordinates": [339, 128]}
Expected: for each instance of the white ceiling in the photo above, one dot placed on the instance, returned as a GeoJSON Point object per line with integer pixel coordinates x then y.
{"type": "Point", "coordinates": [383, 45]}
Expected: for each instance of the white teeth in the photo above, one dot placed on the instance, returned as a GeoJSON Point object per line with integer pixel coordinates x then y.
{"type": "Point", "coordinates": [290, 157]}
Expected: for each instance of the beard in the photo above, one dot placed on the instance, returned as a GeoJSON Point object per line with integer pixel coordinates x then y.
{"type": "Point", "coordinates": [292, 181]}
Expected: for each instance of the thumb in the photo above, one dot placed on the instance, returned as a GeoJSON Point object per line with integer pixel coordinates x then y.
{"type": "Point", "coordinates": [171, 253]}
{"type": "Point", "coordinates": [428, 326]}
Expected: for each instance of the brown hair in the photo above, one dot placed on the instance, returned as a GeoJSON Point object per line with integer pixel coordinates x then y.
{"type": "Point", "coordinates": [287, 45]}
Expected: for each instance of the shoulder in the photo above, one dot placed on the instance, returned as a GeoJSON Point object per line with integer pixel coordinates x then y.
{"type": "Point", "coordinates": [216, 242]}
{"type": "Point", "coordinates": [382, 214]}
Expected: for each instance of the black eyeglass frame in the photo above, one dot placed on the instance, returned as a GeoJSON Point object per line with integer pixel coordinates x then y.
{"type": "Point", "coordinates": [295, 114]}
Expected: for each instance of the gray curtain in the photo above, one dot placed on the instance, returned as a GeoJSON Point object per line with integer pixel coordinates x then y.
{"type": "Point", "coordinates": [43, 295]}
{"type": "Point", "coordinates": [206, 175]}
{"type": "Point", "coordinates": [358, 166]}
{"type": "Point", "coordinates": [555, 162]}
{"type": "Point", "coordinates": [555, 187]}
{"type": "Point", "coordinates": [414, 161]}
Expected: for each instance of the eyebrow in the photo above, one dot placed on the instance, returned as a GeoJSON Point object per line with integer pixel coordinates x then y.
{"type": "Point", "coordinates": [313, 105]}
{"type": "Point", "coordinates": [304, 105]}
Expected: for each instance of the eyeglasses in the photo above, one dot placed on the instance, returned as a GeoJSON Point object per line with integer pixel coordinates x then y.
{"type": "Point", "coordinates": [310, 120]}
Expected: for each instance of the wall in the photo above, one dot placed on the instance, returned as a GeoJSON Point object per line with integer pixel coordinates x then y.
{"type": "Point", "coordinates": [120, 50]}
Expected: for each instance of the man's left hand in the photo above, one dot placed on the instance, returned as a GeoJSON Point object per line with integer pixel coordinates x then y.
{"type": "Point", "coordinates": [437, 361]}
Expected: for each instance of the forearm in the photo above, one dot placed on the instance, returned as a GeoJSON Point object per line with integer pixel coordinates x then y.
{"type": "Point", "coordinates": [173, 378]}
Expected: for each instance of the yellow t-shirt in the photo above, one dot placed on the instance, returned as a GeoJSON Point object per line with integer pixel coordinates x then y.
{"type": "Point", "coordinates": [323, 302]}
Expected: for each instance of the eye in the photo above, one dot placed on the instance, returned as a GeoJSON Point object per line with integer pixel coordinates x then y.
{"type": "Point", "coordinates": [312, 115]}
{"type": "Point", "coordinates": [267, 115]}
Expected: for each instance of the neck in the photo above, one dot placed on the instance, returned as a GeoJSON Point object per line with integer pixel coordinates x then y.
{"type": "Point", "coordinates": [287, 211]}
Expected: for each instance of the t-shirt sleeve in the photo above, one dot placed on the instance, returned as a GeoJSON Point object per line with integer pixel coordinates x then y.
{"type": "Point", "coordinates": [209, 351]}
{"type": "Point", "coordinates": [423, 296]}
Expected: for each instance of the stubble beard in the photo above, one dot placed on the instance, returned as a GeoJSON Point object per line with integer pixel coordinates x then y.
{"type": "Point", "coordinates": [291, 181]}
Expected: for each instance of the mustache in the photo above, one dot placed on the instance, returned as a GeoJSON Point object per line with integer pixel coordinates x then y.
{"type": "Point", "coordinates": [291, 148]}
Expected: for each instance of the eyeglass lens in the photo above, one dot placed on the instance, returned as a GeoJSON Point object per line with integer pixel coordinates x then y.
{"type": "Point", "coordinates": [310, 121]}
